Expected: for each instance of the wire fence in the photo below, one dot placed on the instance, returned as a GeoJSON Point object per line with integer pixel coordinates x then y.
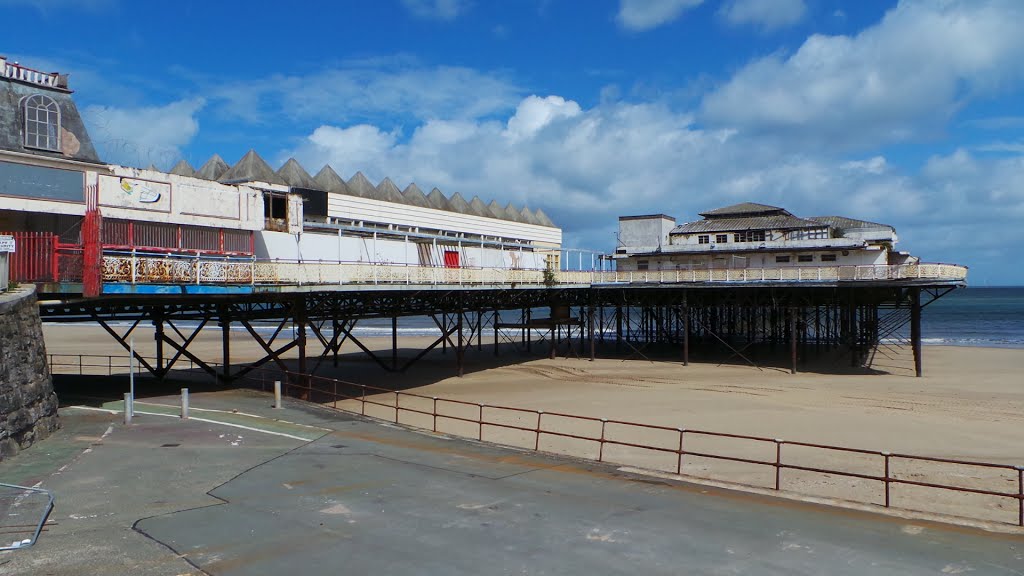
{"type": "Point", "coordinates": [983, 490]}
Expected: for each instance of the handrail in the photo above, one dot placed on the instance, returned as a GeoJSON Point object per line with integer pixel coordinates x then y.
{"type": "Point", "coordinates": [141, 268]}
{"type": "Point", "coordinates": [320, 389]}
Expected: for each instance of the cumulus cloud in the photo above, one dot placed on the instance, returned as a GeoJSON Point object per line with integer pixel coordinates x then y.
{"type": "Point", "coordinates": [367, 90]}
{"type": "Point", "coordinates": [640, 15]}
{"type": "Point", "coordinates": [895, 81]}
{"type": "Point", "coordinates": [143, 135]}
{"type": "Point", "coordinates": [585, 166]}
{"type": "Point", "coordinates": [765, 14]}
{"type": "Point", "coordinates": [436, 9]}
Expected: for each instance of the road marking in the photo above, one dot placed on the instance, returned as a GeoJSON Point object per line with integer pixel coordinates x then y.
{"type": "Point", "coordinates": [230, 424]}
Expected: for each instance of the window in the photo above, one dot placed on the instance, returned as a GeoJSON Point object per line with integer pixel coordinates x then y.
{"type": "Point", "coordinates": [703, 239]}
{"type": "Point", "coordinates": [749, 236]}
{"type": "Point", "coordinates": [805, 258]}
{"type": "Point", "coordinates": [828, 257]}
{"type": "Point", "coordinates": [721, 238]}
{"type": "Point", "coordinates": [782, 259]}
{"type": "Point", "coordinates": [42, 123]}
{"type": "Point", "coordinates": [642, 265]}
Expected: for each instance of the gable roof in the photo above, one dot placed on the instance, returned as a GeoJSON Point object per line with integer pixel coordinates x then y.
{"type": "Point", "coordinates": [296, 176]}
{"type": "Point", "coordinates": [844, 223]}
{"type": "Point", "coordinates": [543, 219]}
{"type": "Point", "coordinates": [479, 208]}
{"type": "Point", "coordinates": [513, 213]}
{"type": "Point", "coordinates": [775, 222]}
{"type": "Point", "coordinates": [744, 210]}
{"type": "Point", "coordinates": [459, 204]}
{"type": "Point", "coordinates": [183, 168]}
{"type": "Point", "coordinates": [414, 196]}
{"type": "Point", "coordinates": [437, 200]}
{"type": "Point", "coordinates": [251, 168]}
{"type": "Point", "coordinates": [497, 210]}
{"type": "Point", "coordinates": [327, 179]}
{"type": "Point", "coordinates": [528, 216]}
{"type": "Point", "coordinates": [358, 185]}
{"type": "Point", "coordinates": [213, 168]}
{"type": "Point", "coordinates": [388, 192]}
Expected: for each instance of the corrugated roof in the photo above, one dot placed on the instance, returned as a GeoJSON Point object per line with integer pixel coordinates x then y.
{"type": "Point", "coordinates": [295, 175]}
{"type": "Point", "coordinates": [388, 192]}
{"type": "Point", "coordinates": [781, 222]}
{"type": "Point", "coordinates": [513, 213]}
{"type": "Point", "coordinates": [459, 204]}
{"type": "Point", "coordinates": [183, 168]}
{"type": "Point", "coordinates": [543, 219]}
{"type": "Point", "coordinates": [744, 209]}
{"type": "Point", "coordinates": [213, 168]}
{"type": "Point", "coordinates": [415, 197]}
{"type": "Point", "coordinates": [437, 200]}
{"type": "Point", "coordinates": [327, 179]}
{"type": "Point", "coordinates": [358, 185]}
{"type": "Point", "coordinates": [251, 168]}
{"type": "Point", "coordinates": [844, 223]}
{"type": "Point", "coordinates": [528, 216]}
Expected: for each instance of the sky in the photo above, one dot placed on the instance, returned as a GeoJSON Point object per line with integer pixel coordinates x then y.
{"type": "Point", "coordinates": [908, 112]}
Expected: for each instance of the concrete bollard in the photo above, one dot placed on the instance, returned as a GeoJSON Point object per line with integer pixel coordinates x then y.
{"type": "Point", "coordinates": [184, 403]}
{"type": "Point", "coordinates": [277, 394]}
{"type": "Point", "coordinates": [127, 407]}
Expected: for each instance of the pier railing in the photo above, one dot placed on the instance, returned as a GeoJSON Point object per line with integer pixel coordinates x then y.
{"type": "Point", "coordinates": [146, 268]}
{"type": "Point", "coordinates": [887, 479]}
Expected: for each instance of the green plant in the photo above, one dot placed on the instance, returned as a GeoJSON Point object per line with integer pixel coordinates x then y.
{"type": "Point", "coordinates": [549, 277]}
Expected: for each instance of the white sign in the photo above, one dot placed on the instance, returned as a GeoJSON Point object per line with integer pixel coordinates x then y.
{"type": "Point", "coordinates": [6, 243]}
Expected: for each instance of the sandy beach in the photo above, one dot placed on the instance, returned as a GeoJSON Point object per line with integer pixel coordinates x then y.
{"type": "Point", "coordinates": [969, 405]}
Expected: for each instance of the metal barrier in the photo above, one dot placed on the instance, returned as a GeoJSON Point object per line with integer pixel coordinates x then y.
{"type": "Point", "coordinates": [24, 500]}
{"type": "Point", "coordinates": [677, 441]}
{"type": "Point", "coordinates": [139, 267]}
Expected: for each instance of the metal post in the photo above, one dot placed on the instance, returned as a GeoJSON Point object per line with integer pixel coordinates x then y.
{"type": "Point", "coordinates": [131, 366]}
{"type": "Point", "coordinates": [536, 439]}
{"type": "Point", "coordinates": [593, 343]}
{"type": "Point", "coordinates": [679, 462]}
{"type": "Point", "coordinates": [497, 320]}
{"type": "Point", "coordinates": [277, 394]}
{"type": "Point", "coordinates": [915, 328]}
{"type": "Point", "coordinates": [184, 403]}
{"type": "Point", "coordinates": [686, 333]}
{"type": "Point", "coordinates": [459, 347]}
{"type": "Point", "coordinates": [778, 461]}
{"type": "Point", "coordinates": [600, 450]}
{"type": "Point", "coordinates": [394, 342]}
{"type": "Point", "coordinates": [792, 340]}
{"type": "Point", "coordinates": [225, 328]}
{"type": "Point", "coordinates": [127, 408]}
{"type": "Point", "coordinates": [1020, 495]}
{"type": "Point", "coordinates": [886, 455]}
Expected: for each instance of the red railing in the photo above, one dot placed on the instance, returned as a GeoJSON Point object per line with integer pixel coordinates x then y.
{"type": "Point", "coordinates": [34, 258]}
{"type": "Point", "coordinates": [616, 433]}
{"type": "Point", "coordinates": [161, 237]}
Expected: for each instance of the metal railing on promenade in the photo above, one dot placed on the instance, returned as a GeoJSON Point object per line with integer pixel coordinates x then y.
{"type": "Point", "coordinates": [602, 435]}
{"type": "Point", "coordinates": [144, 268]}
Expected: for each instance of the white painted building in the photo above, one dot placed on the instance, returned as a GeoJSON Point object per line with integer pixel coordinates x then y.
{"type": "Point", "coordinates": [749, 235]}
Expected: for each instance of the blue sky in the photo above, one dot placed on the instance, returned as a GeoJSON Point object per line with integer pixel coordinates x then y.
{"type": "Point", "coordinates": [909, 113]}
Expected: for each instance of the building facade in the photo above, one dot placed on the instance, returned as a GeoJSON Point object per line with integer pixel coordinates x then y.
{"type": "Point", "coordinates": [753, 236]}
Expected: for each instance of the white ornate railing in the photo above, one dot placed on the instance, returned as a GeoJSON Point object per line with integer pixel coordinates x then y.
{"type": "Point", "coordinates": [15, 71]}
{"type": "Point", "coordinates": [175, 269]}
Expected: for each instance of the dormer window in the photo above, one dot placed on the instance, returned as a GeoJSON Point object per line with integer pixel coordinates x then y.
{"type": "Point", "coordinates": [42, 123]}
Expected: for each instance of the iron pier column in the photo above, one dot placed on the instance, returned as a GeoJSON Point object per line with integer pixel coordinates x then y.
{"type": "Point", "coordinates": [915, 328]}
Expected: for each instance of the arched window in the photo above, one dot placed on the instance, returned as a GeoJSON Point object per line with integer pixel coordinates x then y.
{"type": "Point", "coordinates": [42, 123]}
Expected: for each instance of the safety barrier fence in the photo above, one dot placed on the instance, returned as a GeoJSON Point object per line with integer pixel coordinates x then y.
{"type": "Point", "coordinates": [141, 268]}
{"type": "Point", "coordinates": [875, 476]}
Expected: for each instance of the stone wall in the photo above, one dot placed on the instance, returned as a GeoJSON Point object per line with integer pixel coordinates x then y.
{"type": "Point", "coordinates": [28, 404]}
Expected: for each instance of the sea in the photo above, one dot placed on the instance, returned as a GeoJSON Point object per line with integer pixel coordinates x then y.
{"type": "Point", "coordinates": [985, 316]}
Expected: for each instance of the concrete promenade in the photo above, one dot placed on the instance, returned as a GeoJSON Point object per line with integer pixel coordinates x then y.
{"type": "Point", "coordinates": [245, 489]}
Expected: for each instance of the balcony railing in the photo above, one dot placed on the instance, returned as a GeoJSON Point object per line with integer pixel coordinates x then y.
{"type": "Point", "coordinates": [138, 268]}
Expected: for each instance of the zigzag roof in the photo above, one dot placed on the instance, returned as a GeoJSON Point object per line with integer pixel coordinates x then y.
{"type": "Point", "coordinates": [213, 168]}
{"type": "Point", "coordinates": [296, 176]}
{"type": "Point", "coordinates": [251, 168]}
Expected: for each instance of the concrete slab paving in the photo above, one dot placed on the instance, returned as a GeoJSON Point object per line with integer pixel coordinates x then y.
{"type": "Point", "coordinates": [164, 496]}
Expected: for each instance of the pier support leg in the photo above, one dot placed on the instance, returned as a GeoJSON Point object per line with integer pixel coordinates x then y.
{"type": "Point", "coordinates": [158, 334]}
{"type": "Point", "coordinates": [225, 335]}
{"type": "Point", "coordinates": [618, 329]}
{"type": "Point", "coordinates": [686, 334]}
{"type": "Point", "coordinates": [459, 347]}
{"type": "Point", "coordinates": [915, 328]}
{"type": "Point", "coordinates": [590, 324]}
{"type": "Point", "coordinates": [394, 342]}
{"type": "Point", "coordinates": [792, 340]}
{"type": "Point", "coordinates": [497, 320]}
{"type": "Point", "coordinates": [300, 338]}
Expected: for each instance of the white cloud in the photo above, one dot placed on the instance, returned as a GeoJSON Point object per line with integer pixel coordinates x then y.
{"type": "Point", "coordinates": [144, 135]}
{"type": "Point", "coordinates": [765, 14]}
{"type": "Point", "coordinates": [898, 80]}
{"type": "Point", "coordinates": [585, 166]}
{"type": "Point", "coordinates": [356, 91]}
{"type": "Point", "coordinates": [436, 9]}
{"type": "Point", "coordinates": [639, 15]}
